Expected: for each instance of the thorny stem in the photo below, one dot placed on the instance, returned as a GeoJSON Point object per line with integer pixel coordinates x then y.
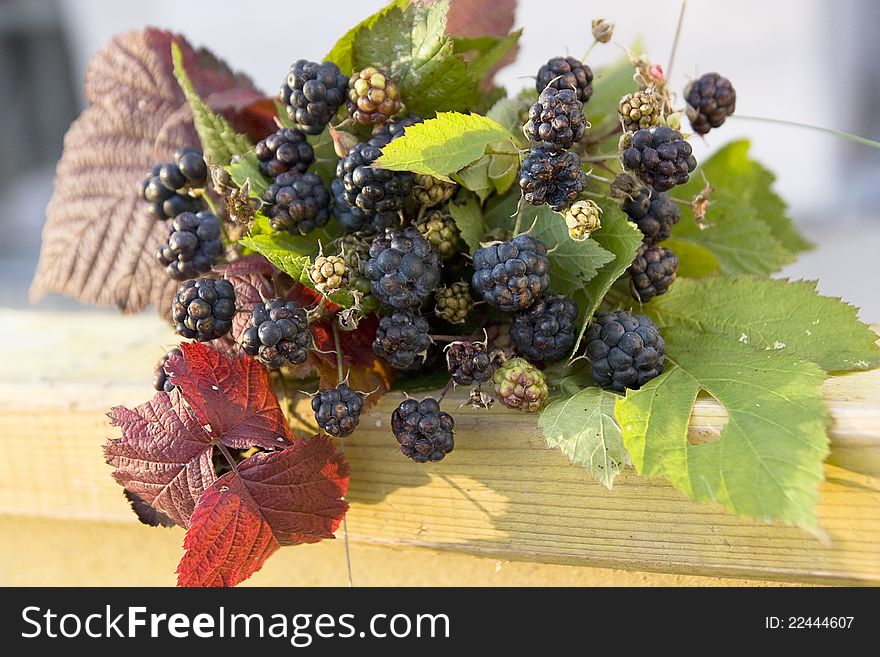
{"type": "Point", "coordinates": [446, 389]}
{"type": "Point", "coordinates": [676, 39]}
{"type": "Point", "coordinates": [337, 343]}
{"type": "Point", "coordinates": [831, 131]}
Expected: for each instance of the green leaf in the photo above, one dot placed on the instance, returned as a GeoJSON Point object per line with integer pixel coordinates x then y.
{"type": "Point", "coordinates": [443, 145]}
{"type": "Point", "coordinates": [326, 158]}
{"type": "Point", "coordinates": [475, 178]}
{"type": "Point", "coordinates": [583, 428]}
{"type": "Point", "coordinates": [508, 112]}
{"type": "Point", "coordinates": [503, 168]}
{"type": "Point", "coordinates": [773, 315]}
{"type": "Point", "coordinates": [342, 53]}
{"type": "Point", "coordinates": [469, 220]}
{"type": "Point", "coordinates": [767, 462]}
{"type": "Point", "coordinates": [219, 139]}
{"type": "Point", "coordinates": [246, 170]}
{"type": "Point", "coordinates": [619, 237]}
{"type": "Point", "coordinates": [694, 261]}
{"type": "Point", "coordinates": [486, 51]}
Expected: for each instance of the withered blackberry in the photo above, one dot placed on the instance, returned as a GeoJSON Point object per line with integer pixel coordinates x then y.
{"type": "Point", "coordinates": [552, 178]}
{"type": "Point", "coordinates": [512, 275]}
{"type": "Point", "coordinates": [469, 362]}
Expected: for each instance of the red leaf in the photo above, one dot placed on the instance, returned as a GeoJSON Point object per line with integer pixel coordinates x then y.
{"type": "Point", "coordinates": [232, 396]}
{"type": "Point", "coordinates": [164, 455]}
{"type": "Point", "coordinates": [271, 499]}
{"type": "Point", "coordinates": [469, 18]}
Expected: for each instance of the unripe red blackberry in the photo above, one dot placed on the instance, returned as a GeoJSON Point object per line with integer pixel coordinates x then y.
{"type": "Point", "coordinates": [520, 385]}
{"type": "Point", "coordinates": [373, 97]}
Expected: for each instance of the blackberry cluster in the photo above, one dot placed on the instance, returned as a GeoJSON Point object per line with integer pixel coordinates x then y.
{"type": "Point", "coordinates": [552, 178]}
{"type": "Point", "coordinates": [373, 97]}
{"type": "Point", "coordinates": [297, 203]}
{"type": "Point", "coordinates": [440, 229]}
{"type": "Point", "coordinates": [661, 157]}
{"type": "Point", "coordinates": [557, 118]}
{"type": "Point", "coordinates": [425, 433]}
{"type": "Point", "coordinates": [393, 128]}
{"type": "Point", "coordinates": [710, 100]}
{"type": "Point", "coordinates": [566, 73]}
{"type": "Point", "coordinates": [652, 272]}
{"type": "Point", "coordinates": [546, 331]}
{"type": "Point", "coordinates": [161, 381]}
{"type": "Point", "coordinates": [521, 385]}
{"type": "Point", "coordinates": [366, 198]}
{"type": "Point", "coordinates": [283, 151]}
{"type": "Point", "coordinates": [401, 338]}
{"type": "Point", "coordinates": [653, 213]}
{"type": "Point", "coordinates": [278, 334]}
{"type": "Point", "coordinates": [338, 410]}
{"type": "Point", "coordinates": [403, 268]}
{"type": "Point", "coordinates": [166, 186]}
{"type": "Point", "coordinates": [192, 247]}
{"type": "Point", "coordinates": [512, 275]}
{"type": "Point", "coordinates": [430, 192]}
{"type": "Point", "coordinates": [313, 93]}
{"type": "Point", "coordinates": [453, 303]}
{"type": "Point", "coordinates": [203, 308]}
{"type": "Point", "coordinates": [626, 351]}
{"type": "Point", "coordinates": [469, 362]}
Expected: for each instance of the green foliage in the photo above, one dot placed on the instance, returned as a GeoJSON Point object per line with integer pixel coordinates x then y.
{"type": "Point", "coordinates": [694, 261]}
{"type": "Point", "coordinates": [219, 139]}
{"type": "Point", "coordinates": [325, 157]}
{"type": "Point", "coordinates": [246, 170]}
{"type": "Point", "coordinates": [508, 112]}
{"type": "Point", "coordinates": [475, 178]}
{"type": "Point", "coordinates": [469, 219]}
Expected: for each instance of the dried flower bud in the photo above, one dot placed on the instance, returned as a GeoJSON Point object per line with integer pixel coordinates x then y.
{"type": "Point", "coordinates": [343, 141]}
{"type": "Point", "coordinates": [624, 186]}
{"type": "Point", "coordinates": [602, 30]}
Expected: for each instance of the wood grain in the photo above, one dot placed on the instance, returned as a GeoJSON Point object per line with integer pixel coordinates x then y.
{"type": "Point", "coordinates": [502, 494]}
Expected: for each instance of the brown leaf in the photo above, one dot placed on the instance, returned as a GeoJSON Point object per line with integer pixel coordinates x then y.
{"type": "Point", "coordinates": [471, 18]}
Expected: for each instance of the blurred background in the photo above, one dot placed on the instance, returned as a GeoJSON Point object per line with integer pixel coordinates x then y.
{"type": "Point", "coordinates": [811, 61]}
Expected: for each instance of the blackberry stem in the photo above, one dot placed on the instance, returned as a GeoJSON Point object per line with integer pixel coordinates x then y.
{"type": "Point", "coordinates": [227, 456]}
{"type": "Point", "coordinates": [446, 389]}
{"type": "Point", "coordinates": [794, 124]}
{"type": "Point", "coordinates": [337, 343]}
{"type": "Point", "coordinates": [448, 338]}
{"type": "Point", "coordinates": [676, 39]}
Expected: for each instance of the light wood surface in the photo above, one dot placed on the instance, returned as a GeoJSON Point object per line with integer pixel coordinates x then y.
{"type": "Point", "coordinates": [501, 495]}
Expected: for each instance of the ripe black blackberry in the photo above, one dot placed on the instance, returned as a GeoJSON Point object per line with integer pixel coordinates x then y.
{"type": "Point", "coordinates": [338, 410]}
{"type": "Point", "coordinates": [425, 433]}
{"type": "Point", "coordinates": [297, 203]}
{"type": "Point", "coordinates": [365, 198]}
{"type": "Point", "coordinates": [557, 118]}
{"type": "Point", "coordinates": [403, 268]}
{"type": "Point", "coordinates": [313, 93]}
{"type": "Point", "coordinates": [566, 73]}
{"type": "Point", "coordinates": [653, 213]}
{"type": "Point", "coordinates": [469, 362]}
{"type": "Point", "coordinates": [661, 157]}
{"type": "Point", "coordinates": [652, 272]}
{"type": "Point", "coordinates": [203, 308]}
{"type": "Point", "coordinates": [278, 334]}
{"type": "Point", "coordinates": [166, 186]}
{"type": "Point", "coordinates": [161, 381]}
{"type": "Point", "coordinates": [512, 275]}
{"type": "Point", "coordinates": [401, 338]}
{"type": "Point", "coordinates": [626, 351]}
{"type": "Point", "coordinates": [192, 247]}
{"type": "Point", "coordinates": [373, 97]}
{"type": "Point", "coordinates": [552, 178]}
{"type": "Point", "coordinates": [284, 150]}
{"type": "Point", "coordinates": [393, 128]}
{"type": "Point", "coordinates": [710, 100]}
{"type": "Point", "coordinates": [546, 331]}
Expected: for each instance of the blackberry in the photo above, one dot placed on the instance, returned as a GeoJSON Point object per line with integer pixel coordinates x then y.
{"type": "Point", "coordinates": [203, 308]}
{"type": "Point", "coordinates": [499, 340]}
{"type": "Point", "coordinates": [401, 337]}
{"type": "Point", "coordinates": [425, 433]}
{"type": "Point", "coordinates": [313, 93]}
{"type": "Point", "coordinates": [192, 247]}
{"type": "Point", "coordinates": [469, 362]}
{"type": "Point", "coordinates": [546, 331]}
{"type": "Point", "coordinates": [393, 128]}
{"type": "Point", "coordinates": [403, 268]}
{"type": "Point", "coordinates": [582, 218]}
{"type": "Point", "coordinates": [566, 73]}
{"type": "Point", "coordinates": [557, 118]}
{"type": "Point", "coordinates": [552, 178]}
{"type": "Point", "coordinates": [297, 203]}
{"type": "Point", "coordinates": [165, 187]}
{"type": "Point", "coordinates": [284, 150]}
{"type": "Point", "coordinates": [329, 274]}
{"type": "Point", "coordinates": [652, 272]}
{"type": "Point", "coordinates": [373, 97]}
{"type": "Point", "coordinates": [160, 376]}
{"type": "Point", "coordinates": [440, 229]}
{"type": "Point", "coordinates": [626, 351]}
{"type": "Point", "coordinates": [338, 410]}
{"type": "Point", "coordinates": [653, 213]}
{"type": "Point", "coordinates": [520, 385]}
{"type": "Point", "coordinates": [640, 109]}
{"type": "Point", "coordinates": [354, 248]}
{"type": "Point", "coordinates": [453, 303]}
{"type": "Point", "coordinates": [366, 198]}
{"type": "Point", "coordinates": [430, 192]}
{"type": "Point", "coordinates": [710, 100]}
{"type": "Point", "coordinates": [278, 333]}
{"type": "Point", "coordinates": [660, 157]}
{"type": "Point", "coordinates": [512, 275]}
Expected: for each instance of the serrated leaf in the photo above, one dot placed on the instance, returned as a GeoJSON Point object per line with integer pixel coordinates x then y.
{"type": "Point", "coordinates": [584, 429]}
{"type": "Point", "coordinates": [219, 139]}
{"type": "Point", "coordinates": [694, 261]}
{"type": "Point", "coordinates": [508, 112]}
{"type": "Point", "coordinates": [469, 220]}
{"type": "Point", "coordinates": [443, 145]}
{"type": "Point", "coordinates": [246, 170]}
{"type": "Point", "coordinates": [503, 170]}
{"type": "Point", "coordinates": [342, 53]}
{"type": "Point", "coordinates": [475, 178]}
{"type": "Point", "coordinates": [767, 463]}
{"type": "Point", "coordinates": [773, 315]}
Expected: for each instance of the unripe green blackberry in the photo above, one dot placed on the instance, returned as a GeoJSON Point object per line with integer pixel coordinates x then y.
{"type": "Point", "coordinates": [373, 97]}
{"type": "Point", "coordinates": [354, 248]}
{"type": "Point", "coordinates": [440, 230]}
{"type": "Point", "coordinates": [640, 109]}
{"type": "Point", "coordinates": [329, 274]}
{"type": "Point", "coordinates": [453, 303]}
{"type": "Point", "coordinates": [519, 384]}
{"type": "Point", "coordinates": [430, 191]}
{"type": "Point", "coordinates": [582, 218]}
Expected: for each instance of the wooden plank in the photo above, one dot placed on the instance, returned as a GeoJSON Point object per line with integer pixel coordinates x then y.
{"type": "Point", "coordinates": [501, 494]}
